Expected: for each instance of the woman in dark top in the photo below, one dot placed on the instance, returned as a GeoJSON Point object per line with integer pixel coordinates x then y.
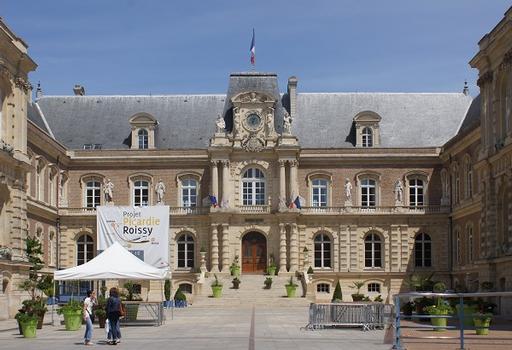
{"type": "Point", "coordinates": [113, 310]}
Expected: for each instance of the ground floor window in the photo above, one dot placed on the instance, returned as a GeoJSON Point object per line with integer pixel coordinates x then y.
{"type": "Point", "coordinates": [373, 288]}
{"type": "Point", "coordinates": [323, 288]}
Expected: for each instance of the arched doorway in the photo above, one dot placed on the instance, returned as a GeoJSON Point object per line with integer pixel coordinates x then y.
{"type": "Point", "coordinates": [254, 252]}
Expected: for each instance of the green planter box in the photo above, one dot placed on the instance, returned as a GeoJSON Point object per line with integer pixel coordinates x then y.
{"type": "Point", "coordinates": [28, 328]}
{"type": "Point", "coordinates": [439, 322]}
{"type": "Point", "coordinates": [235, 271]}
{"type": "Point", "coordinates": [482, 325]}
{"type": "Point", "coordinates": [469, 310]}
{"type": "Point", "coordinates": [290, 291]}
{"type": "Point", "coordinates": [73, 320]}
{"type": "Point", "coordinates": [272, 270]}
{"type": "Point", "coordinates": [217, 291]}
{"type": "Point", "coordinates": [132, 311]}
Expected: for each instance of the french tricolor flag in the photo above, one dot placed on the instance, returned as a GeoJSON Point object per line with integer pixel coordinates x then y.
{"type": "Point", "coordinates": [253, 49]}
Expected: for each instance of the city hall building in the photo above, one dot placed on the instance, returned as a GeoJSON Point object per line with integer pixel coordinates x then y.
{"type": "Point", "coordinates": [367, 187]}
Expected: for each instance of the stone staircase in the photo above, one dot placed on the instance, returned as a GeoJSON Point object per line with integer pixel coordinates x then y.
{"type": "Point", "coordinates": [251, 292]}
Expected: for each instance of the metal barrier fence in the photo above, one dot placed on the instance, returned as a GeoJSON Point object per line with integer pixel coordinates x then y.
{"type": "Point", "coordinates": [143, 313]}
{"type": "Point", "coordinates": [366, 315]}
{"type": "Point", "coordinates": [460, 315]}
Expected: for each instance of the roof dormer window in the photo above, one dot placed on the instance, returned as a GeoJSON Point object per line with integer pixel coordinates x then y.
{"type": "Point", "coordinates": [367, 129]}
{"type": "Point", "coordinates": [143, 131]}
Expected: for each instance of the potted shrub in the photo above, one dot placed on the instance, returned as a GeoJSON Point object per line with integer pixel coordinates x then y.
{"type": "Point", "coordinates": [132, 309]}
{"type": "Point", "coordinates": [28, 323]}
{"type": "Point", "coordinates": [236, 283]}
{"type": "Point", "coordinates": [235, 268]}
{"type": "Point", "coordinates": [421, 304]}
{"type": "Point", "coordinates": [291, 287]}
{"type": "Point", "coordinates": [378, 299]}
{"type": "Point", "coordinates": [73, 313]}
{"type": "Point", "coordinates": [167, 293]}
{"type": "Point", "coordinates": [408, 308]}
{"type": "Point", "coordinates": [268, 282]}
{"type": "Point", "coordinates": [99, 310]}
{"type": "Point", "coordinates": [271, 269]}
{"type": "Point", "coordinates": [482, 322]}
{"type": "Point", "coordinates": [357, 296]}
{"type": "Point", "coordinates": [180, 299]}
{"type": "Point", "coordinates": [442, 308]}
{"type": "Point", "coordinates": [337, 296]}
{"type": "Point", "coordinates": [216, 288]}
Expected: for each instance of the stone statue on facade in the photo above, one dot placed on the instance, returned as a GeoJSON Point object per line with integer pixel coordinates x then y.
{"type": "Point", "coordinates": [220, 123]}
{"type": "Point", "coordinates": [270, 124]}
{"type": "Point", "coordinates": [348, 191]}
{"type": "Point", "coordinates": [282, 203]}
{"type": "Point", "coordinates": [287, 125]}
{"type": "Point", "coordinates": [160, 191]}
{"type": "Point", "coordinates": [108, 190]}
{"type": "Point", "coordinates": [399, 192]}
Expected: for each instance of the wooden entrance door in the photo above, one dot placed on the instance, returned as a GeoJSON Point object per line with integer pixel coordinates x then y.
{"type": "Point", "coordinates": [254, 252]}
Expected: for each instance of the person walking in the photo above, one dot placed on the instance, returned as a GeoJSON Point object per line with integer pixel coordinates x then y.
{"type": "Point", "coordinates": [87, 311]}
{"type": "Point", "coordinates": [113, 310]}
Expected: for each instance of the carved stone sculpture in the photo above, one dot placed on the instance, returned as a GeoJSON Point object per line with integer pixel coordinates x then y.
{"type": "Point", "coordinates": [287, 126]}
{"type": "Point", "coordinates": [399, 192]}
{"type": "Point", "coordinates": [160, 191]}
{"type": "Point", "coordinates": [108, 191]}
{"type": "Point", "coordinates": [220, 123]}
{"type": "Point", "coordinates": [348, 190]}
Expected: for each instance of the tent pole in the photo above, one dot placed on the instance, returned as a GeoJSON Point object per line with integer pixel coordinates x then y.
{"type": "Point", "coordinates": [53, 303]}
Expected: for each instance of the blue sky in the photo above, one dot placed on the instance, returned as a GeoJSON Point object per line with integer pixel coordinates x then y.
{"type": "Point", "coordinates": [165, 47]}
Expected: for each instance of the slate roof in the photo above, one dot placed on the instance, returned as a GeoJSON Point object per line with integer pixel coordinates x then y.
{"type": "Point", "coordinates": [324, 120]}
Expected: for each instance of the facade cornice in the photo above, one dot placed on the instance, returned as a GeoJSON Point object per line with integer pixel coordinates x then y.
{"type": "Point", "coordinates": [41, 140]}
{"type": "Point", "coordinates": [460, 145]}
{"type": "Point", "coordinates": [467, 207]}
{"type": "Point", "coordinates": [41, 210]}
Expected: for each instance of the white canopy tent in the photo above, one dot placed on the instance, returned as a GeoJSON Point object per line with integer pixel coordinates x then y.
{"type": "Point", "coordinates": [114, 263]}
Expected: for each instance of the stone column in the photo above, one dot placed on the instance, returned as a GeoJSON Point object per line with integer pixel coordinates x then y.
{"type": "Point", "coordinates": [225, 184]}
{"type": "Point", "coordinates": [294, 248]}
{"type": "Point", "coordinates": [215, 250]}
{"type": "Point", "coordinates": [282, 184]}
{"type": "Point", "coordinates": [282, 248]}
{"type": "Point", "coordinates": [215, 179]}
{"type": "Point", "coordinates": [294, 184]}
{"type": "Point", "coordinates": [225, 248]}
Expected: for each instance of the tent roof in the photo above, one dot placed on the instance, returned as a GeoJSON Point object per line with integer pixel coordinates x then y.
{"type": "Point", "coordinates": [114, 263]}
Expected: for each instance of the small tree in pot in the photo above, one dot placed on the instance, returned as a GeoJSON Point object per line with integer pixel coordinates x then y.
{"type": "Point", "coordinates": [167, 292]}
{"type": "Point", "coordinates": [291, 287]}
{"type": "Point", "coordinates": [357, 296]}
{"type": "Point", "coordinates": [132, 309]}
{"type": "Point", "coordinates": [272, 268]}
{"type": "Point", "coordinates": [268, 282]}
{"type": "Point", "coordinates": [216, 288]}
{"type": "Point", "coordinates": [337, 296]}
{"type": "Point", "coordinates": [236, 283]}
{"type": "Point", "coordinates": [234, 269]}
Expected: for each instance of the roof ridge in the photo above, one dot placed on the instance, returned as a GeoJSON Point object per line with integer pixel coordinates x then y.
{"type": "Point", "coordinates": [97, 96]}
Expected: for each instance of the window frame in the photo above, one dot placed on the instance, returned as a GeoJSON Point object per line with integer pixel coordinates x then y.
{"type": "Point", "coordinates": [184, 240]}
{"type": "Point", "coordinates": [88, 244]}
{"type": "Point", "coordinates": [318, 203]}
{"type": "Point", "coordinates": [142, 138]}
{"type": "Point", "coordinates": [323, 287]}
{"type": "Point", "coordinates": [140, 187]}
{"type": "Point", "coordinates": [86, 182]}
{"type": "Point", "coordinates": [325, 251]}
{"type": "Point", "coordinates": [253, 181]}
{"type": "Point", "coordinates": [375, 286]}
{"type": "Point", "coordinates": [366, 204]}
{"type": "Point", "coordinates": [367, 137]}
{"type": "Point", "coordinates": [379, 242]}
{"type": "Point", "coordinates": [424, 240]}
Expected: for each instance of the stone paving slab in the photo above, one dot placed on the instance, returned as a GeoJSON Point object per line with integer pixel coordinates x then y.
{"type": "Point", "coordinates": [202, 328]}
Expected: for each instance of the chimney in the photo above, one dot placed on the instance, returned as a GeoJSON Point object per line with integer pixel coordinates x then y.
{"type": "Point", "coordinates": [39, 91]}
{"type": "Point", "coordinates": [79, 90]}
{"type": "Point", "coordinates": [465, 90]}
{"type": "Point", "coordinates": [292, 93]}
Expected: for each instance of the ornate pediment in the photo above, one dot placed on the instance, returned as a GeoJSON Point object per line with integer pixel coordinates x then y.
{"type": "Point", "coordinates": [252, 97]}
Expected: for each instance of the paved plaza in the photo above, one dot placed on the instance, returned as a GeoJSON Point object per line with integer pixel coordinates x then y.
{"type": "Point", "coordinates": [202, 328]}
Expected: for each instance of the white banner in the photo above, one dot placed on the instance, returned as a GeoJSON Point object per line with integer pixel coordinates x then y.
{"type": "Point", "coordinates": [144, 231]}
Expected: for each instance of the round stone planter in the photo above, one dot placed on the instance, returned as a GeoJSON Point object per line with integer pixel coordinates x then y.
{"type": "Point", "coordinates": [439, 322]}
{"type": "Point", "coordinates": [73, 320]}
{"type": "Point", "coordinates": [482, 325]}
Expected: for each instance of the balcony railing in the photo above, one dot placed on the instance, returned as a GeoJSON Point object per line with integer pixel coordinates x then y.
{"type": "Point", "coordinates": [254, 209]}
{"type": "Point", "coordinates": [433, 209]}
{"type": "Point", "coordinates": [172, 211]}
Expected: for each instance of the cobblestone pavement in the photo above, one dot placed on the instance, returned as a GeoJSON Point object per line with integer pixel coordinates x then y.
{"type": "Point", "coordinates": [201, 328]}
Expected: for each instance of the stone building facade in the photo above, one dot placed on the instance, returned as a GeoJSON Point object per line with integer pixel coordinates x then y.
{"type": "Point", "coordinates": [365, 187]}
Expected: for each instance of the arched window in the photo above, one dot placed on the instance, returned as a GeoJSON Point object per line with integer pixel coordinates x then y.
{"type": "Point", "coordinates": [92, 193]}
{"type": "Point", "coordinates": [368, 193]}
{"type": "Point", "coordinates": [367, 137]}
{"type": "Point", "coordinates": [323, 288]}
{"type": "Point", "coordinates": [53, 186]}
{"type": "Point", "coordinates": [423, 250]}
{"type": "Point", "coordinates": [253, 185]}
{"type": "Point", "coordinates": [470, 243]}
{"type": "Point", "coordinates": [373, 287]}
{"type": "Point", "coordinates": [143, 138]}
{"type": "Point", "coordinates": [189, 192]}
{"type": "Point", "coordinates": [416, 192]}
{"type": "Point", "coordinates": [51, 248]}
{"type": "Point", "coordinates": [185, 288]}
{"type": "Point", "coordinates": [186, 251]}
{"type": "Point", "coordinates": [468, 177]}
{"type": "Point", "coordinates": [456, 184]}
{"type": "Point", "coordinates": [319, 194]}
{"type": "Point", "coordinates": [322, 251]}
{"type": "Point", "coordinates": [372, 251]}
{"type": "Point", "coordinates": [458, 252]}
{"type": "Point", "coordinates": [40, 180]}
{"type": "Point", "coordinates": [84, 249]}
{"type": "Point", "coordinates": [141, 193]}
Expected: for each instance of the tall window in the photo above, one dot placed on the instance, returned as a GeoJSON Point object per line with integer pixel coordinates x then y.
{"type": "Point", "coordinates": [143, 138]}
{"type": "Point", "coordinates": [51, 249]}
{"type": "Point", "coordinates": [368, 190]}
{"type": "Point", "coordinates": [40, 179]}
{"type": "Point", "coordinates": [253, 185]}
{"type": "Point", "coordinates": [470, 243]}
{"type": "Point", "coordinates": [322, 251]}
{"type": "Point", "coordinates": [141, 193]}
{"type": "Point", "coordinates": [367, 136]}
{"type": "Point", "coordinates": [468, 172]}
{"type": "Point", "coordinates": [458, 252]}
{"type": "Point", "coordinates": [189, 192]}
{"type": "Point", "coordinates": [92, 194]}
{"type": "Point", "coordinates": [456, 185]}
{"type": "Point", "coordinates": [416, 192]}
{"type": "Point", "coordinates": [53, 187]}
{"type": "Point", "coordinates": [84, 249]}
{"type": "Point", "coordinates": [423, 250]}
{"type": "Point", "coordinates": [186, 251]}
{"type": "Point", "coordinates": [372, 251]}
{"type": "Point", "coordinates": [373, 287]}
{"type": "Point", "coordinates": [319, 187]}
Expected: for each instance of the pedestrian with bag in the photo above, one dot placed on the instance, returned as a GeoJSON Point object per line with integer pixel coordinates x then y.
{"type": "Point", "coordinates": [89, 303]}
{"type": "Point", "coordinates": [114, 311]}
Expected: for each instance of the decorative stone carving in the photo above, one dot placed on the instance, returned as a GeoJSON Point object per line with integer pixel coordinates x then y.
{"type": "Point", "coordinates": [287, 124]}
{"type": "Point", "coordinates": [6, 147]}
{"type": "Point", "coordinates": [160, 192]}
{"type": "Point", "coordinates": [399, 192]}
{"type": "Point", "coordinates": [270, 124]}
{"type": "Point", "coordinates": [253, 144]}
{"type": "Point", "coordinates": [22, 84]}
{"type": "Point", "coordinates": [108, 191]}
{"type": "Point", "coordinates": [220, 123]}
{"type": "Point", "coordinates": [5, 253]}
{"type": "Point", "coordinates": [485, 78]}
{"type": "Point", "coordinates": [348, 192]}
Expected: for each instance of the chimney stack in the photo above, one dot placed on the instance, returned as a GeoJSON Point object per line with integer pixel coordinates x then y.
{"type": "Point", "coordinates": [79, 90]}
{"type": "Point", "coordinates": [292, 93]}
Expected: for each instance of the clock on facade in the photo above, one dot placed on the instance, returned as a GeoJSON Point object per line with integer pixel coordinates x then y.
{"type": "Point", "coordinates": [253, 121]}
